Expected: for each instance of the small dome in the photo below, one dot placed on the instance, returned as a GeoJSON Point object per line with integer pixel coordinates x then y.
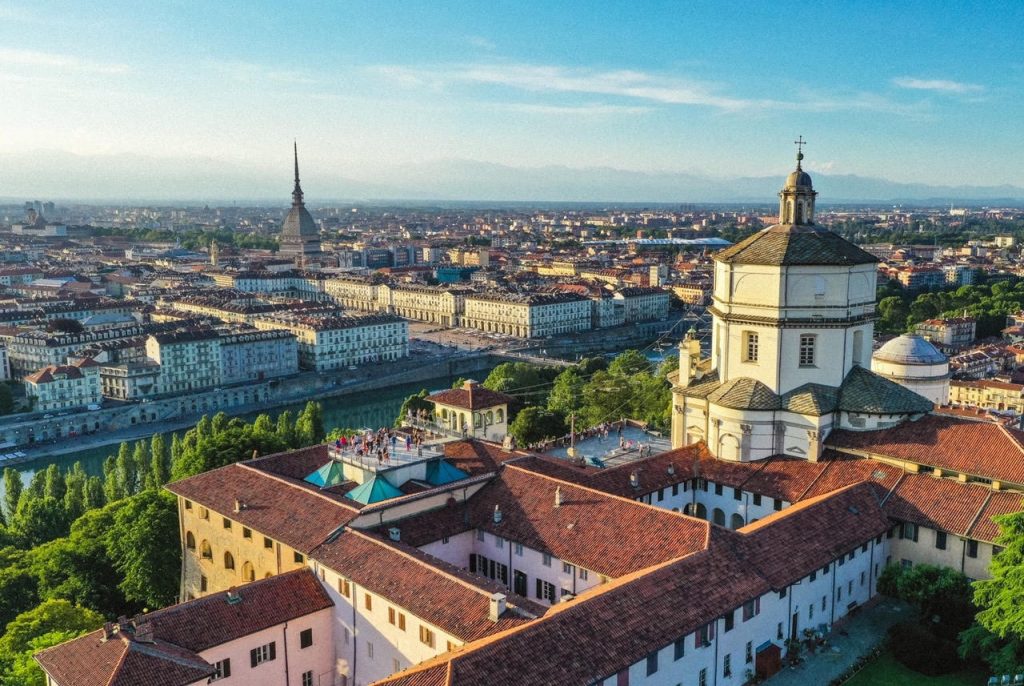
{"type": "Point", "coordinates": [909, 349]}
{"type": "Point", "coordinates": [798, 178]}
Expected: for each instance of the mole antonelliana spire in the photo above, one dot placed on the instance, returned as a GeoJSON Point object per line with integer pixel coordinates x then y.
{"type": "Point", "coordinates": [300, 236]}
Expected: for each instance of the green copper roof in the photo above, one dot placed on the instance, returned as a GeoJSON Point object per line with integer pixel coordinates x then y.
{"type": "Point", "coordinates": [328, 475]}
{"type": "Point", "coordinates": [796, 244]}
{"type": "Point", "coordinates": [440, 472]}
{"type": "Point", "coordinates": [868, 393]}
{"type": "Point", "coordinates": [745, 394]}
{"type": "Point", "coordinates": [373, 491]}
{"type": "Point", "coordinates": [811, 399]}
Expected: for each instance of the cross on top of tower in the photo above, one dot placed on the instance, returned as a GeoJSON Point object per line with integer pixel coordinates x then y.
{"type": "Point", "coordinates": [799, 143]}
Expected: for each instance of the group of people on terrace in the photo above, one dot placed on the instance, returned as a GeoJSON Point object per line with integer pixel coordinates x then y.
{"type": "Point", "coordinates": [382, 443]}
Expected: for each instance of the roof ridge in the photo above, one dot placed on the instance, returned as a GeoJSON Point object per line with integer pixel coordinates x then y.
{"type": "Point", "coordinates": [1013, 440]}
{"type": "Point", "coordinates": [120, 661]}
{"type": "Point", "coordinates": [977, 516]}
{"type": "Point", "coordinates": [896, 484]}
{"type": "Point", "coordinates": [774, 517]}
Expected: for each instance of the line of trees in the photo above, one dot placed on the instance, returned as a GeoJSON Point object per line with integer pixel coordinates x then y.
{"type": "Point", "coordinates": [594, 390]}
{"type": "Point", "coordinates": [989, 303]}
{"type": "Point", "coordinates": [78, 549]}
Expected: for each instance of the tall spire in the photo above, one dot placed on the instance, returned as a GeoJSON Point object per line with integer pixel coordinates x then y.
{"type": "Point", "coordinates": [799, 143]}
{"type": "Point", "coordinates": [297, 191]}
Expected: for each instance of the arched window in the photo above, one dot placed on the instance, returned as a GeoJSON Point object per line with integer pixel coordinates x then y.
{"type": "Point", "coordinates": [736, 521]}
{"type": "Point", "coordinates": [702, 511]}
{"type": "Point", "coordinates": [190, 540]}
{"type": "Point", "coordinates": [499, 414]}
{"type": "Point", "coordinates": [248, 572]}
{"type": "Point", "coordinates": [718, 516]}
{"type": "Point", "coordinates": [267, 575]}
{"type": "Point", "coordinates": [229, 561]}
{"type": "Point", "coordinates": [490, 417]}
{"type": "Point", "coordinates": [205, 551]}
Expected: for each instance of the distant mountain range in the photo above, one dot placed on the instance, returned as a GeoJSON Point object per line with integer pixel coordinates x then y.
{"type": "Point", "coordinates": [64, 176]}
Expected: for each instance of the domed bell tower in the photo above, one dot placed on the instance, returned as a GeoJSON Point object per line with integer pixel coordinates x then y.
{"type": "Point", "coordinates": [796, 199]}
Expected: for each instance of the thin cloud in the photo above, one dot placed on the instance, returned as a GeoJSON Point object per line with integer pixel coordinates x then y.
{"type": "Point", "coordinates": [624, 83]}
{"type": "Point", "coordinates": [587, 110]}
{"type": "Point", "coordinates": [58, 61]}
{"type": "Point", "coordinates": [482, 43]}
{"type": "Point", "coordinates": [937, 85]}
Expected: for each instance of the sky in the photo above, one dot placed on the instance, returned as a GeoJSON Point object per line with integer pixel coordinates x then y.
{"type": "Point", "coordinates": [928, 92]}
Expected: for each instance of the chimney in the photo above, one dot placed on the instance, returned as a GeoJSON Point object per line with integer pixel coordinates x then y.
{"type": "Point", "coordinates": [558, 496]}
{"type": "Point", "coordinates": [497, 607]}
{"type": "Point", "coordinates": [497, 514]}
{"type": "Point", "coordinates": [395, 534]}
{"type": "Point", "coordinates": [634, 479]}
{"type": "Point", "coordinates": [671, 469]}
{"type": "Point", "coordinates": [144, 632]}
{"type": "Point", "coordinates": [108, 631]}
{"type": "Point", "coordinates": [233, 597]}
{"type": "Point", "coordinates": [238, 505]}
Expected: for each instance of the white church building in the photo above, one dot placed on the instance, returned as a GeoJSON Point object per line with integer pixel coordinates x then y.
{"type": "Point", "coordinates": [793, 317]}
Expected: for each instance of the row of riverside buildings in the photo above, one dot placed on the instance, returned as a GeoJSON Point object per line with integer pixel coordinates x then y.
{"type": "Point", "coordinates": [795, 476]}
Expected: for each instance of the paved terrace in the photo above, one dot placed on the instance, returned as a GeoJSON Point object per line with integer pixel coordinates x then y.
{"type": "Point", "coordinates": [397, 456]}
{"type": "Point", "coordinates": [607, 450]}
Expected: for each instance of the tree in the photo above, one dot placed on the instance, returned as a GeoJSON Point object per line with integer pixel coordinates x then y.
{"type": "Point", "coordinates": [18, 591]}
{"type": "Point", "coordinates": [534, 424]}
{"type": "Point", "coordinates": [140, 456]}
{"type": "Point", "coordinates": [126, 474]}
{"type": "Point", "coordinates": [286, 428]}
{"type": "Point", "coordinates": [54, 485]}
{"type": "Point", "coordinates": [567, 393]}
{"type": "Point", "coordinates": [630, 363]}
{"type": "Point", "coordinates": [12, 491]}
{"type": "Point", "coordinates": [263, 424]}
{"type": "Point", "coordinates": [50, 615]}
{"type": "Point", "coordinates": [414, 404]}
{"type": "Point", "coordinates": [23, 670]}
{"type": "Point", "coordinates": [309, 426]}
{"type": "Point", "coordinates": [941, 595]}
{"type": "Point", "coordinates": [74, 492]}
{"type": "Point", "coordinates": [144, 548]}
{"type": "Point", "coordinates": [39, 520]}
{"type": "Point", "coordinates": [94, 496]}
{"type": "Point", "coordinates": [529, 383]}
{"type": "Point", "coordinates": [1001, 612]}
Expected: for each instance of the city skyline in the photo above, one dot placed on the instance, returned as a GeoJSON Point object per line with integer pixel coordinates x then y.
{"type": "Point", "coordinates": [205, 103]}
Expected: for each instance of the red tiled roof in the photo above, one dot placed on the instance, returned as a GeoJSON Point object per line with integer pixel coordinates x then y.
{"type": "Point", "coordinates": [788, 544]}
{"type": "Point", "coordinates": [999, 503]}
{"type": "Point", "coordinates": [945, 442]}
{"type": "Point", "coordinates": [479, 399]}
{"type": "Point", "coordinates": [936, 503]}
{"type": "Point", "coordinates": [179, 632]}
{"type": "Point", "coordinates": [843, 470]}
{"type": "Point", "coordinates": [477, 457]}
{"type": "Point", "coordinates": [599, 532]}
{"type": "Point", "coordinates": [294, 513]}
{"type": "Point", "coordinates": [444, 595]}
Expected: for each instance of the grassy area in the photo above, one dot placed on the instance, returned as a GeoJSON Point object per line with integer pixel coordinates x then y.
{"type": "Point", "coordinates": [886, 671]}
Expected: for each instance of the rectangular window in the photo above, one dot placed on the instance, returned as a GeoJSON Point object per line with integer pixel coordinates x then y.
{"type": "Point", "coordinates": [661, 494]}
{"type": "Point", "coordinates": [583, 574]}
{"type": "Point", "coordinates": [545, 591]}
{"type": "Point", "coordinates": [567, 568]}
{"type": "Point", "coordinates": [545, 559]}
{"type": "Point", "coordinates": [782, 594]}
{"type": "Point", "coordinates": [749, 653]}
{"type": "Point", "coordinates": [265, 653]}
{"type": "Point", "coordinates": [757, 499]}
{"type": "Point", "coordinates": [652, 663]}
{"type": "Point", "coordinates": [202, 584]}
{"type": "Point", "coordinates": [344, 588]}
{"type": "Point", "coordinates": [267, 543]}
{"type": "Point", "coordinates": [188, 504]}
{"type": "Point", "coordinates": [824, 601]}
{"type": "Point", "coordinates": [369, 650]}
{"type": "Point", "coordinates": [246, 533]}
{"type": "Point", "coordinates": [675, 489]}
{"type": "Point", "coordinates": [730, 620]}
{"type": "Point", "coordinates": [737, 494]}
{"type": "Point", "coordinates": [751, 609]}
{"type": "Point", "coordinates": [678, 649]}
{"type": "Point", "coordinates": [777, 505]}
{"type": "Point", "coordinates": [222, 669]}
{"type": "Point", "coordinates": [972, 549]}
{"type": "Point", "coordinates": [499, 542]}
{"type": "Point", "coordinates": [227, 522]}
{"type": "Point", "coordinates": [750, 346]}
{"type": "Point", "coordinates": [727, 665]}
{"type": "Point", "coordinates": [444, 540]}
{"type": "Point", "coordinates": [718, 489]}
{"type": "Point", "coordinates": [807, 342]}
{"type": "Point", "coordinates": [702, 678]}
{"type": "Point", "coordinates": [298, 557]}
{"type": "Point", "coordinates": [426, 636]}
{"type": "Point", "coordinates": [940, 540]}
{"type": "Point", "coordinates": [368, 601]}
{"type": "Point", "coordinates": [480, 536]}
{"type": "Point", "coordinates": [307, 678]}
{"type": "Point", "coordinates": [305, 638]}
{"type": "Point", "coordinates": [519, 549]}
{"type": "Point", "coordinates": [814, 575]}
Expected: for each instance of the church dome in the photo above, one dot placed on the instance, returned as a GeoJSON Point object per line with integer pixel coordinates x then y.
{"type": "Point", "coordinates": [909, 349]}
{"type": "Point", "coordinates": [798, 178]}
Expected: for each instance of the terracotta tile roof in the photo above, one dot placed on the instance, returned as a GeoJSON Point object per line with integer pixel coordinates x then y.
{"type": "Point", "coordinates": [787, 545]}
{"type": "Point", "coordinates": [477, 457]}
{"type": "Point", "coordinates": [120, 661]}
{"type": "Point", "coordinates": [444, 595]}
{"type": "Point", "coordinates": [211, 620]}
{"type": "Point", "coordinates": [293, 513]}
{"type": "Point", "coordinates": [179, 632]}
{"type": "Point", "coordinates": [590, 529]}
{"type": "Point", "coordinates": [433, 525]}
{"type": "Point", "coordinates": [945, 442]}
{"type": "Point", "coordinates": [842, 470]}
{"type": "Point", "coordinates": [296, 464]}
{"type": "Point", "coordinates": [479, 398]}
{"type": "Point", "coordinates": [784, 478]}
{"type": "Point", "coordinates": [937, 503]}
{"type": "Point", "coordinates": [999, 503]}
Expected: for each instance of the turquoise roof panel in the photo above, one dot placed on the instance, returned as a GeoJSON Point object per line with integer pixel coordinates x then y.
{"type": "Point", "coordinates": [440, 472]}
{"type": "Point", "coordinates": [373, 491]}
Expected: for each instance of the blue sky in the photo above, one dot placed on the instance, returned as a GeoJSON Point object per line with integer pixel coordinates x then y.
{"type": "Point", "coordinates": [920, 92]}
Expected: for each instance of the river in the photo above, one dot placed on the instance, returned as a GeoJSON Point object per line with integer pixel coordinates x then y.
{"type": "Point", "coordinates": [359, 410]}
